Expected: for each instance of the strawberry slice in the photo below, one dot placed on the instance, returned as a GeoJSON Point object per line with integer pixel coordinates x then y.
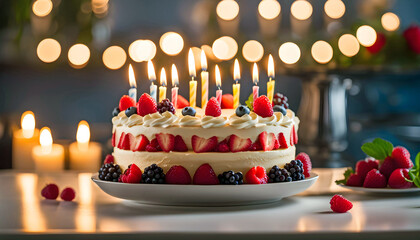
{"type": "Point", "coordinates": [282, 141]}
{"type": "Point", "coordinates": [166, 141]}
{"type": "Point", "coordinates": [180, 145]}
{"type": "Point", "coordinates": [295, 136]}
{"type": "Point", "coordinates": [203, 145]}
{"type": "Point", "coordinates": [205, 175]}
{"type": "Point", "coordinates": [140, 143]}
{"type": "Point", "coordinates": [256, 146]}
{"type": "Point", "coordinates": [223, 146]}
{"type": "Point", "coordinates": [267, 141]}
{"type": "Point", "coordinates": [276, 144]}
{"type": "Point", "coordinates": [178, 175]}
{"type": "Point", "coordinates": [237, 144]}
{"type": "Point", "coordinates": [124, 142]}
{"type": "Point", "coordinates": [292, 140]}
{"type": "Point", "coordinates": [120, 140]}
{"type": "Point", "coordinates": [113, 139]}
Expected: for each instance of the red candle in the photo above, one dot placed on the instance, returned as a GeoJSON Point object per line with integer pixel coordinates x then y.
{"type": "Point", "coordinates": [255, 89]}
{"type": "Point", "coordinates": [219, 91]}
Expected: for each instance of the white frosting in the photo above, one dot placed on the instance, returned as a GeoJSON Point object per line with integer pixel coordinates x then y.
{"type": "Point", "coordinates": [156, 119]}
{"type": "Point", "coordinates": [120, 119]}
{"type": "Point", "coordinates": [246, 121]}
{"type": "Point", "coordinates": [189, 121]}
{"type": "Point", "coordinates": [134, 120]}
{"type": "Point", "coordinates": [211, 122]}
{"type": "Point", "coordinates": [268, 120]}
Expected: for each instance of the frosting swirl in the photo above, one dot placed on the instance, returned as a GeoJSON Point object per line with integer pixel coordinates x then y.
{"type": "Point", "coordinates": [283, 120]}
{"type": "Point", "coordinates": [189, 121]}
{"type": "Point", "coordinates": [246, 121]}
{"type": "Point", "coordinates": [209, 121]}
{"type": "Point", "coordinates": [134, 120]}
{"type": "Point", "coordinates": [120, 119]}
{"type": "Point", "coordinates": [268, 120]}
{"type": "Point", "coordinates": [156, 119]}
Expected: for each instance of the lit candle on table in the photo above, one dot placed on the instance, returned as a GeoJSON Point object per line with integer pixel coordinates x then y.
{"type": "Point", "coordinates": [193, 83]}
{"type": "Point", "coordinates": [204, 80]}
{"type": "Point", "coordinates": [270, 83]}
{"type": "Point", "coordinates": [152, 78]}
{"type": "Point", "coordinates": [175, 83]}
{"type": "Point", "coordinates": [133, 90]}
{"type": "Point", "coordinates": [162, 88]}
{"type": "Point", "coordinates": [84, 154]}
{"type": "Point", "coordinates": [48, 157]}
{"type": "Point", "coordinates": [219, 91]}
{"type": "Point", "coordinates": [236, 85]}
{"type": "Point", "coordinates": [255, 89]}
{"type": "Point", "coordinates": [24, 140]}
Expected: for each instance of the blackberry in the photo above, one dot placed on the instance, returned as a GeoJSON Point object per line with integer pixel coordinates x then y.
{"type": "Point", "coordinates": [277, 174]}
{"type": "Point", "coordinates": [231, 178]}
{"type": "Point", "coordinates": [165, 105]}
{"type": "Point", "coordinates": [153, 174]}
{"type": "Point", "coordinates": [295, 168]}
{"type": "Point", "coordinates": [110, 172]}
{"type": "Point", "coordinates": [281, 100]}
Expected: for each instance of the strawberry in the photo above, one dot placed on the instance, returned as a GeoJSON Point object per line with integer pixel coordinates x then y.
{"type": "Point", "coordinates": [50, 191]}
{"type": "Point", "coordinates": [295, 136]}
{"type": "Point", "coordinates": [223, 146]}
{"type": "Point", "coordinates": [180, 145]}
{"type": "Point", "coordinates": [213, 108]}
{"type": "Point", "coordinates": [267, 140]}
{"type": "Point", "coordinates": [256, 146]}
{"type": "Point", "coordinates": [306, 161]}
{"type": "Point", "coordinates": [109, 159]}
{"type": "Point", "coordinates": [182, 102]}
{"type": "Point", "coordinates": [374, 179]}
{"type": "Point", "coordinates": [120, 140]}
{"type": "Point", "coordinates": [256, 175]}
{"type": "Point", "coordinates": [387, 167]}
{"type": "Point", "coordinates": [205, 175]}
{"type": "Point", "coordinates": [237, 144]}
{"type": "Point", "coordinates": [398, 179]}
{"type": "Point", "coordinates": [113, 139]}
{"type": "Point", "coordinates": [166, 141]}
{"type": "Point", "coordinates": [126, 102]}
{"type": "Point", "coordinates": [203, 145]}
{"type": "Point", "coordinates": [364, 166]}
{"type": "Point", "coordinates": [153, 146]}
{"type": "Point", "coordinates": [276, 144]}
{"type": "Point", "coordinates": [68, 194]}
{"type": "Point", "coordinates": [140, 143]}
{"type": "Point", "coordinates": [125, 141]}
{"type": "Point", "coordinates": [227, 101]}
{"type": "Point", "coordinates": [282, 141]}
{"type": "Point", "coordinates": [401, 157]}
{"type": "Point", "coordinates": [355, 180]}
{"type": "Point", "coordinates": [131, 175]}
{"type": "Point", "coordinates": [178, 175]}
{"type": "Point", "coordinates": [146, 105]}
{"type": "Point", "coordinates": [339, 204]}
{"type": "Point", "coordinates": [263, 107]}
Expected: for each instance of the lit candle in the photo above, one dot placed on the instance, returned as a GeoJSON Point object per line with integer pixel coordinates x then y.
{"type": "Point", "coordinates": [236, 85]}
{"type": "Point", "coordinates": [133, 90]}
{"type": "Point", "coordinates": [204, 80]}
{"type": "Point", "coordinates": [152, 78]}
{"type": "Point", "coordinates": [175, 83]}
{"type": "Point", "coordinates": [162, 88]}
{"type": "Point", "coordinates": [219, 91]}
{"type": "Point", "coordinates": [84, 154]}
{"type": "Point", "coordinates": [48, 157]}
{"type": "Point", "coordinates": [255, 89]}
{"type": "Point", "coordinates": [193, 83]}
{"type": "Point", "coordinates": [270, 83]}
{"type": "Point", "coordinates": [24, 140]}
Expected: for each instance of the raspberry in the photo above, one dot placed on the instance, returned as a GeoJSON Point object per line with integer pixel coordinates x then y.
{"type": "Point", "coordinates": [339, 204]}
{"type": "Point", "coordinates": [205, 175]}
{"type": "Point", "coordinates": [263, 107]}
{"type": "Point", "coordinates": [374, 179]}
{"type": "Point", "coordinates": [364, 166]}
{"type": "Point", "coordinates": [355, 180]}
{"type": "Point", "coordinates": [213, 108]}
{"type": "Point", "coordinates": [387, 167]}
{"type": "Point", "coordinates": [306, 161]}
{"type": "Point", "coordinates": [401, 157]}
{"type": "Point", "coordinates": [223, 146]}
{"type": "Point", "coordinates": [397, 179]}
{"type": "Point", "coordinates": [256, 175]}
{"type": "Point", "coordinates": [126, 102]}
{"type": "Point", "coordinates": [166, 106]}
{"type": "Point", "coordinates": [280, 100]}
{"type": "Point", "coordinates": [131, 175]}
{"type": "Point", "coordinates": [146, 105]}
{"type": "Point", "coordinates": [50, 191]}
{"type": "Point", "coordinates": [68, 194]}
{"type": "Point", "coordinates": [109, 159]}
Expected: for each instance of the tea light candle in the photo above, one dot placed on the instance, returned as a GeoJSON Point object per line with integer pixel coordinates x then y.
{"type": "Point", "coordinates": [193, 83]}
{"type": "Point", "coordinates": [84, 154]}
{"type": "Point", "coordinates": [236, 86]}
{"type": "Point", "coordinates": [162, 88]}
{"type": "Point", "coordinates": [255, 89]}
{"type": "Point", "coordinates": [270, 83]}
{"type": "Point", "coordinates": [204, 80]}
{"type": "Point", "coordinates": [152, 78]}
{"type": "Point", "coordinates": [219, 91]}
{"type": "Point", "coordinates": [48, 157]}
{"type": "Point", "coordinates": [133, 90]}
{"type": "Point", "coordinates": [175, 83]}
{"type": "Point", "coordinates": [23, 141]}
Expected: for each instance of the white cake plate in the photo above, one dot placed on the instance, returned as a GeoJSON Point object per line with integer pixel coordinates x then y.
{"type": "Point", "coordinates": [382, 190]}
{"type": "Point", "coordinates": [204, 195]}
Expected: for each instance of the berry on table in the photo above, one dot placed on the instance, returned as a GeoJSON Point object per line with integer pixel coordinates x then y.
{"type": "Point", "coordinates": [178, 175]}
{"type": "Point", "coordinates": [126, 102]}
{"type": "Point", "coordinates": [295, 168]}
{"type": "Point", "coordinates": [213, 108]}
{"type": "Point", "coordinates": [130, 111]}
{"type": "Point", "coordinates": [188, 111]}
{"type": "Point", "coordinates": [277, 174]}
{"type": "Point", "coordinates": [165, 106]}
{"type": "Point", "coordinates": [242, 110]}
{"type": "Point", "coordinates": [131, 175]}
{"type": "Point", "coordinates": [256, 175]}
{"type": "Point", "coordinates": [307, 164]}
{"type": "Point", "coordinates": [339, 204]}
{"type": "Point", "coordinates": [231, 178]}
{"type": "Point", "coordinates": [277, 108]}
{"type": "Point", "coordinates": [110, 172]}
{"type": "Point", "coordinates": [153, 174]}
{"type": "Point", "coordinates": [402, 157]}
{"type": "Point", "coordinates": [116, 111]}
{"type": "Point", "coordinates": [68, 194]}
{"type": "Point", "coordinates": [205, 175]}
{"type": "Point", "coordinates": [263, 107]}
{"type": "Point", "coordinates": [280, 100]}
{"type": "Point", "coordinates": [398, 179]}
{"type": "Point", "coordinates": [374, 179]}
{"type": "Point", "coordinates": [146, 105]}
{"type": "Point", "coordinates": [50, 191]}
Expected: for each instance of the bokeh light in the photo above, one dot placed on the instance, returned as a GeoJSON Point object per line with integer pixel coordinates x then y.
{"type": "Point", "coordinates": [348, 45]}
{"type": "Point", "coordinates": [227, 9]}
{"type": "Point", "coordinates": [209, 52]}
{"type": "Point", "coordinates": [322, 52]}
{"type": "Point", "coordinates": [252, 50]}
{"type": "Point", "coordinates": [42, 8]}
{"type": "Point", "coordinates": [171, 43]}
{"type": "Point", "coordinates": [225, 48]}
{"type": "Point", "coordinates": [390, 21]}
{"type": "Point", "coordinates": [48, 50]}
{"type": "Point", "coordinates": [114, 57]}
{"type": "Point", "coordinates": [79, 55]}
{"type": "Point", "coordinates": [334, 8]}
{"type": "Point", "coordinates": [142, 50]}
{"type": "Point", "coordinates": [289, 53]}
{"type": "Point", "coordinates": [301, 9]}
{"type": "Point", "coordinates": [366, 35]}
{"type": "Point", "coordinates": [269, 9]}
{"type": "Point", "coordinates": [100, 7]}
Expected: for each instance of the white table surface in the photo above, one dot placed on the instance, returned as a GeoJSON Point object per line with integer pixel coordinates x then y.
{"type": "Point", "coordinates": [95, 215]}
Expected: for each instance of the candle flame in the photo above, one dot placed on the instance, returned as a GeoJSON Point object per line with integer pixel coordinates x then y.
{"type": "Point", "coordinates": [83, 132]}
{"type": "Point", "coordinates": [163, 77]}
{"type": "Point", "coordinates": [203, 61]}
{"type": "Point", "coordinates": [270, 67]}
{"type": "Point", "coordinates": [27, 123]}
{"type": "Point", "coordinates": [236, 71]}
{"type": "Point", "coordinates": [46, 140]}
{"type": "Point", "coordinates": [218, 78]}
{"type": "Point", "coordinates": [255, 74]}
{"type": "Point", "coordinates": [151, 71]}
{"type": "Point", "coordinates": [174, 73]}
{"type": "Point", "coordinates": [191, 63]}
{"type": "Point", "coordinates": [131, 77]}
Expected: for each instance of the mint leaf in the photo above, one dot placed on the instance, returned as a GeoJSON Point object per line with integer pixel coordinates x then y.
{"type": "Point", "coordinates": [417, 161]}
{"type": "Point", "coordinates": [347, 173]}
{"type": "Point", "coordinates": [417, 181]}
{"type": "Point", "coordinates": [250, 102]}
{"type": "Point", "coordinates": [378, 148]}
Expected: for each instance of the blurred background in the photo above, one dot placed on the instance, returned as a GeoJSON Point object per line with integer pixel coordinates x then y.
{"type": "Point", "coordinates": [350, 69]}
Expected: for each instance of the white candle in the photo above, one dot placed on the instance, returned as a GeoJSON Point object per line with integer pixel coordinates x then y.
{"type": "Point", "coordinates": [219, 92]}
{"type": "Point", "coordinates": [255, 89]}
{"type": "Point", "coordinates": [133, 85]}
{"type": "Point", "coordinates": [204, 80]}
{"type": "Point", "coordinates": [175, 83]}
{"type": "Point", "coordinates": [152, 78]}
{"type": "Point", "coordinates": [48, 157]}
{"type": "Point", "coordinates": [24, 140]}
{"type": "Point", "coordinates": [193, 83]}
{"type": "Point", "coordinates": [162, 88]}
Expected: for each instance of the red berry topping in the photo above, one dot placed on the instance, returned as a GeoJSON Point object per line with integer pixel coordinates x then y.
{"type": "Point", "coordinates": [166, 141]}
{"type": "Point", "coordinates": [125, 141]}
{"type": "Point", "coordinates": [166, 106]}
{"type": "Point", "coordinates": [256, 175]}
{"type": "Point", "coordinates": [223, 146]}
{"type": "Point", "coordinates": [126, 102]}
{"type": "Point", "coordinates": [281, 100]}
{"type": "Point", "coordinates": [146, 105]}
{"type": "Point", "coordinates": [267, 140]}
{"type": "Point", "coordinates": [50, 191]}
{"type": "Point", "coordinates": [402, 157]}
{"type": "Point", "coordinates": [68, 194]}
{"type": "Point", "coordinates": [295, 135]}
{"type": "Point", "coordinates": [364, 166]}
{"type": "Point", "coordinates": [182, 102]}
{"type": "Point", "coordinates": [205, 175]}
{"type": "Point", "coordinates": [200, 144]}
{"type": "Point", "coordinates": [153, 146]}
{"type": "Point", "coordinates": [398, 179]}
{"type": "Point", "coordinates": [227, 101]}
{"type": "Point", "coordinates": [387, 167]}
{"type": "Point", "coordinates": [178, 175]}
{"type": "Point", "coordinates": [109, 159]}
{"type": "Point", "coordinates": [131, 175]}
{"type": "Point", "coordinates": [213, 108]}
{"type": "Point", "coordinates": [256, 146]}
{"type": "Point", "coordinates": [139, 143]}
{"type": "Point", "coordinates": [263, 107]}
{"type": "Point", "coordinates": [282, 141]}
{"type": "Point", "coordinates": [180, 145]}
{"type": "Point", "coordinates": [114, 144]}
{"type": "Point", "coordinates": [339, 204]}
{"type": "Point", "coordinates": [276, 144]}
{"type": "Point", "coordinates": [374, 179]}
{"type": "Point", "coordinates": [237, 144]}
{"type": "Point", "coordinates": [306, 161]}
{"type": "Point", "coordinates": [355, 180]}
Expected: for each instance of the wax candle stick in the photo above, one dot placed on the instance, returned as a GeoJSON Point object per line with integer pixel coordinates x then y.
{"type": "Point", "coordinates": [219, 91]}
{"type": "Point", "coordinates": [24, 140]}
{"type": "Point", "coordinates": [48, 157]}
{"type": "Point", "coordinates": [133, 85]}
{"type": "Point", "coordinates": [152, 78]}
{"type": "Point", "coordinates": [193, 83]}
{"type": "Point", "coordinates": [204, 80]}
{"type": "Point", "coordinates": [236, 86]}
{"type": "Point", "coordinates": [270, 83]}
{"type": "Point", "coordinates": [162, 88]}
{"type": "Point", "coordinates": [255, 89]}
{"type": "Point", "coordinates": [175, 83]}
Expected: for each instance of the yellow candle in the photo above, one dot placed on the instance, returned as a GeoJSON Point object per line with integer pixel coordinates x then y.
{"type": "Point", "coordinates": [236, 86]}
{"type": "Point", "coordinates": [162, 88]}
{"type": "Point", "coordinates": [24, 140]}
{"type": "Point", "coordinates": [204, 80]}
{"type": "Point", "coordinates": [270, 83]}
{"type": "Point", "coordinates": [84, 154]}
{"type": "Point", "coordinates": [48, 157]}
{"type": "Point", "coordinates": [193, 83]}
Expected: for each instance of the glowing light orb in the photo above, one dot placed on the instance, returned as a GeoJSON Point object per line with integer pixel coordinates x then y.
{"type": "Point", "coordinates": [171, 43]}
{"type": "Point", "coordinates": [225, 48]}
{"type": "Point", "coordinates": [48, 50]}
{"type": "Point", "coordinates": [79, 54]}
{"type": "Point", "coordinates": [348, 45]}
{"type": "Point", "coordinates": [301, 9]}
{"type": "Point", "coordinates": [390, 21]}
{"type": "Point", "coordinates": [289, 53]}
{"type": "Point", "coordinates": [269, 9]}
{"type": "Point", "coordinates": [322, 52]}
{"type": "Point", "coordinates": [114, 57]}
{"type": "Point", "coordinates": [366, 35]}
{"type": "Point", "coordinates": [252, 50]}
{"type": "Point", "coordinates": [227, 9]}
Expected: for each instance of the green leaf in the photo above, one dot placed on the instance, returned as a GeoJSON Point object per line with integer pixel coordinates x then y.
{"type": "Point", "coordinates": [385, 145]}
{"type": "Point", "coordinates": [417, 161]}
{"type": "Point", "coordinates": [250, 102]}
{"type": "Point", "coordinates": [417, 182]}
{"type": "Point", "coordinates": [347, 173]}
{"type": "Point", "coordinates": [412, 176]}
{"type": "Point", "coordinates": [378, 148]}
